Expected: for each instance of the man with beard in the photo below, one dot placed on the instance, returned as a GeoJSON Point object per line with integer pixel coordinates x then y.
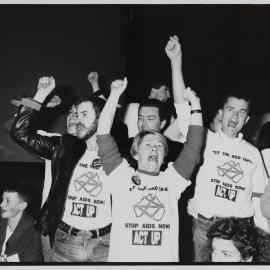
{"type": "Point", "coordinates": [77, 212]}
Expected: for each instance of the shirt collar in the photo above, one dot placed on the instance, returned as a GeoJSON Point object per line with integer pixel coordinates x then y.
{"type": "Point", "coordinates": [149, 173]}
{"type": "Point", "coordinates": [224, 137]}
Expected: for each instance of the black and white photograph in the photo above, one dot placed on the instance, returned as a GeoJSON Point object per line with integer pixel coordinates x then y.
{"type": "Point", "coordinates": [134, 134]}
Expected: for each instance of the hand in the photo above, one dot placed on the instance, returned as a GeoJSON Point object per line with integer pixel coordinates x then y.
{"type": "Point", "coordinates": [173, 49]}
{"type": "Point", "coordinates": [119, 86]}
{"type": "Point", "coordinates": [191, 96]}
{"type": "Point", "coordinates": [92, 77]}
{"type": "Point", "coordinates": [55, 101]}
{"type": "Point", "coordinates": [45, 87]}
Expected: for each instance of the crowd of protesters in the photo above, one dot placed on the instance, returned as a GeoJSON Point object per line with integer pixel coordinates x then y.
{"type": "Point", "coordinates": [113, 181]}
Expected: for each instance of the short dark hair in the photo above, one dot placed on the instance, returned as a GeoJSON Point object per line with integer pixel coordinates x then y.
{"type": "Point", "coordinates": [242, 232]}
{"type": "Point", "coordinates": [263, 141]}
{"type": "Point", "coordinates": [239, 94]}
{"type": "Point", "coordinates": [24, 191]}
{"type": "Point", "coordinates": [98, 103]}
{"type": "Point", "coordinates": [155, 103]}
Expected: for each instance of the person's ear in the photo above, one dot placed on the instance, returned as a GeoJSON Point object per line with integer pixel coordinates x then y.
{"type": "Point", "coordinates": [162, 124]}
{"type": "Point", "coordinates": [136, 156]}
{"type": "Point", "coordinates": [247, 119]}
{"type": "Point", "coordinates": [220, 114]}
{"type": "Point", "coordinates": [23, 205]}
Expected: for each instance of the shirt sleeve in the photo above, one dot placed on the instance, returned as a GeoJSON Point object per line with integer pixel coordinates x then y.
{"type": "Point", "coordinates": [176, 181]}
{"type": "Point", "coordinates": [259, 178]}
{"type": "Point", "coordinates": [108, 152]}
{"type": "Point", "coordinates": [23, 131]}
{"type": "Point", "coordinates": [190, 155]}
{"type": "Point", "coordinates": [183, 118]}
{"type": "Point", "coordinates": [265, 202]}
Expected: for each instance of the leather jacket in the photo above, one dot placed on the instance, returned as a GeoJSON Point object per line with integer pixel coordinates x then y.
{"type": "Point", "coordinates": [64, 152]}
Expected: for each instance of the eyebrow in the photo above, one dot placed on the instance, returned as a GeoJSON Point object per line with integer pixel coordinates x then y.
{"type": "Point", "coordinates": [148, 115]}
{"type": "Point", "coordinates": [232, 107]}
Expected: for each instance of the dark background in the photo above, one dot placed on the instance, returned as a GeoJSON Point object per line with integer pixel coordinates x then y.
{"type": "Point", "coordinates": [224, 47]}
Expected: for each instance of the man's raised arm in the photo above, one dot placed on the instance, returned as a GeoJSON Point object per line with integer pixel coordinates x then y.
{"type": "Point", "coordinates": [23, 130]}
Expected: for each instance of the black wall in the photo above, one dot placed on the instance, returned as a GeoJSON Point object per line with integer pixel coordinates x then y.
{"type": "Point", "coordinates": [66, 42]}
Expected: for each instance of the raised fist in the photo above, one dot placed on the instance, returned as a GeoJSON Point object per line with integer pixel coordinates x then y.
{"type": "Point", "coordinates": [119, 86]}
{"type": "Point", "coordinates": [173, 48]}
{"type": "Point", "coordinates": [45, 87]}
{"type": "Point", "coordinates": [55, 101]}
{"type": "Point", "coordinates": [46, 84]}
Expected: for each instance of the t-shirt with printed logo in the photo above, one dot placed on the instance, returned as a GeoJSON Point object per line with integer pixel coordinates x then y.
{"type": "Point", "coordinates": [88, 204]}
{"type": "Point", "coordinates": [145, 214]}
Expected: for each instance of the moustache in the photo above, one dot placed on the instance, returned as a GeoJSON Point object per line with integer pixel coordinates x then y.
{"type": "Point", "coordinates": [79, 125]}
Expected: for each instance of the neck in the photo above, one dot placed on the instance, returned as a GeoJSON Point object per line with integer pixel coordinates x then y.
{"type": "Point", "coordinates": [92, 142]}
{"type": "Point", "coordinates": [148, 170]}
{"type": "Point", "coordinates": [13, 221]}
{"type": "Point", "coordinates": [229, 135]}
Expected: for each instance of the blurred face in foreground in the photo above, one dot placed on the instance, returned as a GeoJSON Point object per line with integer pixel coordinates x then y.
{"type": "Point", "coordinates": [226, 251]}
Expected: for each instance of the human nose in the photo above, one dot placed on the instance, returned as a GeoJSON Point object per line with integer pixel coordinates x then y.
{"type": "Point", "coordinates": [2, 203]}
{"type": "Point", "coordinates": [235, 115]}
{"type": "Point", "coordinates": [74, 116]}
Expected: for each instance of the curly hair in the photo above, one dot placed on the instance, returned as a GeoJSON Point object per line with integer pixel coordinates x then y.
{"type": "Point", "coordinates": [243, 233]}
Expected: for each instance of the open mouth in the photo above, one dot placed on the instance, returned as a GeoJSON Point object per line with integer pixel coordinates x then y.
{"type": "Point", "coordinates": [79, 127]}
{"type": "Point", "coordinates": [153, 158]}
{"type": "Point", "coordinates": [232, 124]}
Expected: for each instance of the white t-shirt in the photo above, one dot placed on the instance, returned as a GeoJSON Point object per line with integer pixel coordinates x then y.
{"type": "Point", "coordinates": [145, 215]}
{"type": "Point", "coordinates": [259, 220]}
{"type": "Point", "coordinates": [232, 170]}
{"type": "Point", "coordinates": [88, 203]}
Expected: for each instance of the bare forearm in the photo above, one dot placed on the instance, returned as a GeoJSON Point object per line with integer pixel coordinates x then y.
{"type": "Point", "coordinates": [178, 83]}
{"type": "Point", "coordinates": [107, 115]}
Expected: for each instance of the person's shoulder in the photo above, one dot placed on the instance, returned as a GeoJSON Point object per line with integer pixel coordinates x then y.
{"type": "Point", "coordinates": [249, 145]}
{"type": "Point", "coordinates": [251, 148]}
{"type": "Point", "coordinates": [266, 151]}
{"type": "Point", "coordinates": [29, 223]}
